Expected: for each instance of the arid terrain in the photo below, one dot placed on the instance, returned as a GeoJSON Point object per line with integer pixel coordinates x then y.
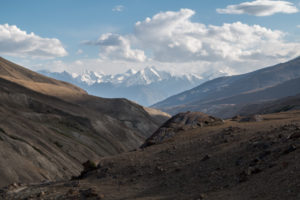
{"type": "Point", "coordinates": [46, 136]}
{"type": "Point", "coordinates": [242, 158]}
{"type": "Point", "coordinates": [58, 142]}
{"type": "Point", "coordinates": [150, 100]}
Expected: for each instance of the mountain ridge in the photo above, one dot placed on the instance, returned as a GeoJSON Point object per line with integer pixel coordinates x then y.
{"type": "Point", "coordinates": [46, 136]}
{"type": "Point", "coordinates": [26, 77]}
{"type": "Point", "coordinates": [227, 87]}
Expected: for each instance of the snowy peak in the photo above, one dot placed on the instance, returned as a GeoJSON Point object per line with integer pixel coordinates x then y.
{"type": "Point", "coordinates": [90, 77]}
{"type": "Point", "coordinates": [146, 86]}
{"type": "Point", "coordinates": [145, 76]}
{"type": "Point", "coordinates": [131, 72]}
{"type": "Point", "coordinates": [131, 77]}
{"type": "Point", "coordinates": [151, 71]}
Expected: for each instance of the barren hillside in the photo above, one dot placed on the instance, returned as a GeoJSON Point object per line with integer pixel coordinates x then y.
{"type": "Point", "coordinates": [45, 136]}
{"type": "Point", "coordinates": [234, 160]}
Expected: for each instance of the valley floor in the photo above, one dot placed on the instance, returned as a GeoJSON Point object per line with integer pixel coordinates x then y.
{"type": "Point", "coordinates": [234, 161]}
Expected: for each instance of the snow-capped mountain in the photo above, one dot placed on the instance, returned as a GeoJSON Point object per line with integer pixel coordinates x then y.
{"type": "Point", "coordinates": [146, 86]}
{"type": "Point", "coordinates": [131, 77]}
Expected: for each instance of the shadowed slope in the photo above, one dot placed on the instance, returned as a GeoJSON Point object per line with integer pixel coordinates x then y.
{"type": "Point", "coordinates": [280, 105]}
{"type": "Point", "coordinates": [212, 96]}
{"type": "Point", "coordinates": [234, 160]}
{"type": "Point", "coordinates": [132, 114]}
{"type": "Point", "coordinates": [45, 136]}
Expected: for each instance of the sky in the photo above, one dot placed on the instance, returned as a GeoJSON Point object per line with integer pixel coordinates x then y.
{"type": "Point", "coordinates": [112, 36]}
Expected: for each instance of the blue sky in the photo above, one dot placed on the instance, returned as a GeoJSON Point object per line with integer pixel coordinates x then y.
{"type": "Point", "coordinates": [99, 35]}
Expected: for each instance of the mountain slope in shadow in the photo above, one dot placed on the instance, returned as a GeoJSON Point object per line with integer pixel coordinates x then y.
{"type": "Point", "coordinates": [212, 96]}
{"type": "Point", "coordinates": [48, 128]}
{"type": "Point", "coordinates": [230, 106]}
{"type": "Point", "coordinates": [275, 106]}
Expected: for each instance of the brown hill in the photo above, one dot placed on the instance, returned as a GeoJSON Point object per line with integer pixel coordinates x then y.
{"type": "Point", "coordinates": [178, 123]}
{"type": "Point", "coordinates": [130, 113]}
{"type": "Point", "coordinates": [48, 127]}
{"type": "Point", "coordinates": [235, 160]}
{"type": "Point", "coordinates": [37, 82]}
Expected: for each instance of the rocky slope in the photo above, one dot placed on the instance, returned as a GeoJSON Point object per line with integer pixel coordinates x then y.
{"type": "Point", "coordinates": [234, 160]}
{"type": "Point", "coordinates": [178, 123]}
{"type": "Point", "coordinates": [218, 96]}
{"type": "Point", "coordinates": [48, 127]}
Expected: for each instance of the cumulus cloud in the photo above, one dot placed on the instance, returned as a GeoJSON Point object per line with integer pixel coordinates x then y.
{"type": "Point", "coordinates": [173, 37]}
{"type": "Point", "coordinates": [260, 8]}
{"type": "Point", "coordinates": [172, 40]}
{"type": "Point", "coordinates": [19, 43]}
{"type": "Point", "coordinates": [117, 47]}
{"type": "Point", "coordinates": [118, 8]}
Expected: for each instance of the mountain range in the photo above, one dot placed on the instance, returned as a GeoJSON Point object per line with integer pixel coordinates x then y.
{"type": "Point", "coordinates": [59, 142]}
{"type": "Point", "coordinates": [146, 86]}
{"type": "Point", "coordinates": [226, 96]}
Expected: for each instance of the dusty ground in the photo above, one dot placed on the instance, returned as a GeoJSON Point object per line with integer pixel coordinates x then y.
{"type": "Point", "coordinates": [235, 161]}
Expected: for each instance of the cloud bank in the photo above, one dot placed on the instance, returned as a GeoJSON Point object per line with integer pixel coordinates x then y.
{"type": "Point", "coordinates": [260, 8]}
{"type": "Point", "coordinates": [19, 43]}
{"type": "Point", "coordinates": [173, 39]}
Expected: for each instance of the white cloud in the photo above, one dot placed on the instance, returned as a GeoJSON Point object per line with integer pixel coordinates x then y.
{"type": "Point", "coordinates": [174, 42]}
{"type": "Point", "coordinates": [298, 26]}
{"type": "Point", "coordinates": [117, 47]}
{"type": "Point", "coordinates": [172, 37]}
{"type": "Point", "coordinates": [118, 8]}
{"type": "Point", "coordinates": [79, 51]}
{"type": "Point", "coordinates": [260, 8]}
{"type": "Point", "coordinates": [15, 42]}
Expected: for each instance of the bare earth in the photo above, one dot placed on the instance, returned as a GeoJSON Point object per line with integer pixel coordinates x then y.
{"type": "Point", "coordinates": [233, 160]}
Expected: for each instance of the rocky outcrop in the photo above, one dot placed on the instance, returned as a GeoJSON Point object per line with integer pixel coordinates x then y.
{"type": "Point", "coordinates": [181, 122]}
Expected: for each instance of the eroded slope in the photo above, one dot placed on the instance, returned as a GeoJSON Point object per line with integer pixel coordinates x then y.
{"type": "Point", "coordinates": [46, 137]}
{"type": "Point", "coordinates": [235, 160]}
